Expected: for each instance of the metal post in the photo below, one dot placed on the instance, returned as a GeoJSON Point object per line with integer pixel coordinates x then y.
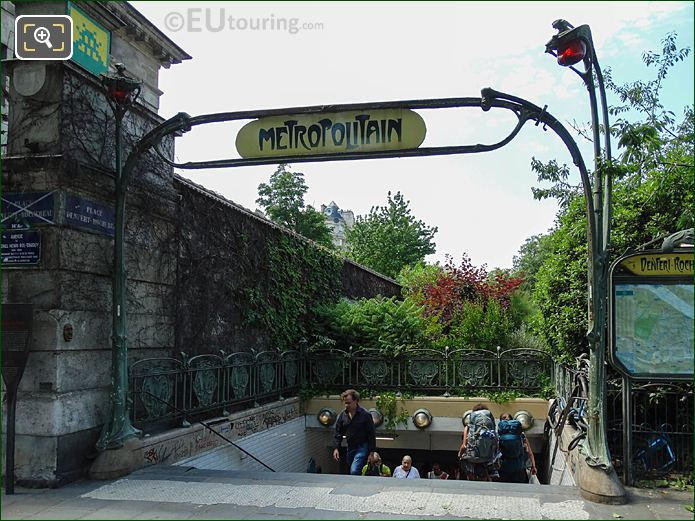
{"type": "Point", "coordinates": [11, 393]}
{"type": "Point", "coordinates": [627, 431]}
{"type": "Point", "coordinates": [122, 93]}
{"type": "Point", "coordinates": [596, 446]}
{"type": "Point", "coordinates": [17, 326]}
{"type": "Point", "coordinates": [597, 440]}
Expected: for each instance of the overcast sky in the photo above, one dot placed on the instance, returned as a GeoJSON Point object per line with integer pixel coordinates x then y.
{"type": "Point", "coordinates": [365, 52]}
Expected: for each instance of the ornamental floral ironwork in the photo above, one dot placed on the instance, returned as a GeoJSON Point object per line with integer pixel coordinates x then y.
{"type": "Point", "coordinates": [423, 372]}
{"type": "Point", "coordinates": [158, 390]}
{"type": "Point", "coordinates": [170, 389]}
{"type": "Point", "coordinates": [206, 378]}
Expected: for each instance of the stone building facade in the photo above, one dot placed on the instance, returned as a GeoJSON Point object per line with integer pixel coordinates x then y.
{"type": "Point", "coordinates": [7, 17]}
{"type": "Point", "coordinates": [338, 222]}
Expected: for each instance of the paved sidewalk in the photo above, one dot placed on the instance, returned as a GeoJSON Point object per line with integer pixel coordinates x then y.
{"type": "Point", "coordinates": [172, 492]}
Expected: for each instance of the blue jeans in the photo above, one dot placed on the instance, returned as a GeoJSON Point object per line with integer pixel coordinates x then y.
{"type": "Point", "coordinates": [357, 458]}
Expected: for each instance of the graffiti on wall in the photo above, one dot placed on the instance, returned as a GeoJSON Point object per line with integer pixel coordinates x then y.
{"type": "Point", "coordinates": [171, 450]}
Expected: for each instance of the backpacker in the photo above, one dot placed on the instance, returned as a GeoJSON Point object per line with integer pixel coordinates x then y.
{"type": "Point", "coordinates": [482, 443]}
{"type": "Point", "coordinates": [511, 445]}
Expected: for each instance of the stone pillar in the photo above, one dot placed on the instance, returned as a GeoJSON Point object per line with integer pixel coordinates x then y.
{"type": "Point", "coordinates": [60, 148]}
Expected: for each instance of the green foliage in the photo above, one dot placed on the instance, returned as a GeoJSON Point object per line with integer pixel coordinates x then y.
{"type": "Point", "coordinates": [299, 277]}
{"type": "Point", "coordinates": [387, 404]}
{"type": "Point", "coordinates": [499, 397]}
{"type": "Point", "coordinates": [307, 393]}
{"type": "Point", "coordinates": [561, 285]}
{"type": "Point", "coordinates": [283, 201]}
{"type": "Point", "coordinates": [388, 325]}
{"type": "Point", "coordinates": [556, 174]}
{"type": "Point", "coordinates": [395, 327]}
{"type": "Point", "coordinates": [390, 237]}
{"type": "Point", "coordinates": [479, 325]}
{"type": "Point", "coordinates": [532, 255]}
{"type": "Point", "coordinates": [415, 278]}
{"type": "Point", "coordinates": [547, 391]}
{"type": "Point", "coordinates": [524, 338]}
{"type": "Point", "coordinates": [652, 197]}
{"type": "Point", "coordinates": [672, 480]}
{"type": "Point", "coordinates": [312, 225]}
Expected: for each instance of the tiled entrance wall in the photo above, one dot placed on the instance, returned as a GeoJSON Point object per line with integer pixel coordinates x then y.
{"type": "Point", "coordinates": [285, 448]}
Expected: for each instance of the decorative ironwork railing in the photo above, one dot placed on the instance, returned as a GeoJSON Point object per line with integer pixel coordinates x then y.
{"type": "Point", "coordinates": [571, 383]}
{"type": "Point", "coordinates": [569, 405]}
{"type": "Point", "coordinates": [662, 428]}
{"type": "Point", "coordinates": [170, 390]}
{"type": "Point", "coordinates": [167, 389]}
{"type": "Point", "coordinates": [448, 371]}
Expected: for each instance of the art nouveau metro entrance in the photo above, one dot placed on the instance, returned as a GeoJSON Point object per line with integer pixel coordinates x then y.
{"type": "Point", "coordinates": [366, 131]}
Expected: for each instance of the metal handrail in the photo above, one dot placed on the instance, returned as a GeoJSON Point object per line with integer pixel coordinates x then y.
{"type": "Point", "coordinates": [214, 432]}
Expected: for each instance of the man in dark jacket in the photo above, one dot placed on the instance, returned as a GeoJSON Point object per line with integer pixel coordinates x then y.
{"type": "Point", "coordinates": [357, 425]}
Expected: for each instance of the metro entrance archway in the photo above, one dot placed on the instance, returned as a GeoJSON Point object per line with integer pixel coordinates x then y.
{"type": "Point", "coordinates": [329, 133]}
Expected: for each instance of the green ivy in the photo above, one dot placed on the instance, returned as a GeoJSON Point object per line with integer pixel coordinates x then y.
{"type": "Point", "coordinates": [298, 277]}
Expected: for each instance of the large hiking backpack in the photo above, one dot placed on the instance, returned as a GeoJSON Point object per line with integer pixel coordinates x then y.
{"type": "Point", "coordinates": [511, 445]}
{"type": "Point", "coordinates": [482, 444]}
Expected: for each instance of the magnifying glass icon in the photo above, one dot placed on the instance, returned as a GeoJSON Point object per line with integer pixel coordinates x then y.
{"type": "Point", "coordinates": [42, 35]}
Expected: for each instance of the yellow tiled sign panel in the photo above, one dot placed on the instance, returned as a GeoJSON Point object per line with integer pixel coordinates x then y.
{"type": "Point", "coordinates": [91, 42]}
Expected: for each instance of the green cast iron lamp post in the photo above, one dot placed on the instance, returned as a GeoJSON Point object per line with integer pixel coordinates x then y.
{"type": "Point", "coordinates": [121, 93]}
{"type": "Point", "coordinates": [573, 45]}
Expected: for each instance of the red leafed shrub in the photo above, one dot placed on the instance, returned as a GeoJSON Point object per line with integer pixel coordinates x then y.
{"type": "Point", "coordinates": [466, 283]}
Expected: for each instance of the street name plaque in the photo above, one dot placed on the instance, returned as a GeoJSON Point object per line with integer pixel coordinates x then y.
{"type": "Point", "coordinates": [22, 209]}
{"type": "Point", "coordinates": [89, 215]}
{"type": "Point", "coordinates": [21, 248]}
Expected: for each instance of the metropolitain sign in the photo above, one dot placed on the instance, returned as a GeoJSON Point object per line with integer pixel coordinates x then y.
{"type": "Point", "coordinates": [336, 133]}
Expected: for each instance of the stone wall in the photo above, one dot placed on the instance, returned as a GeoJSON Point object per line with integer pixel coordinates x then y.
{"type": "Point", "coordinates": [223, 248]}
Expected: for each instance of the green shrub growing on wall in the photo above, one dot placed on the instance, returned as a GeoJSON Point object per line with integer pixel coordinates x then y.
{"type": "Point", "coordinates": [389, 325]}
{"type": "Point", "coordinates": [299, 278]}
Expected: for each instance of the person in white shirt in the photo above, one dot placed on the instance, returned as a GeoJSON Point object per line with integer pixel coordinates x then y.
{"type": "Point", "coordinates": [406, 469]}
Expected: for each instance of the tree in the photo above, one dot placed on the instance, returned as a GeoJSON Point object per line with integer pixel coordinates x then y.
{"type": "Point", "coordinates": [652, 197]}
{"type": "Point", "coordinates": [531, 257]}
{"type": "Point", "coordinates": [283, 201]}
{"type": "Point", "coordinates": [390, 237]}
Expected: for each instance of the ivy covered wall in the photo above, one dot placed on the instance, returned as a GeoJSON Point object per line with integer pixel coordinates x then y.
{"type": "Point", "coordinates": [244, 283]}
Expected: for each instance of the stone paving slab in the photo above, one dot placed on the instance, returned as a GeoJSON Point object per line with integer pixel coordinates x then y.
{"type": "Point", "coordinates": [188, 493]}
